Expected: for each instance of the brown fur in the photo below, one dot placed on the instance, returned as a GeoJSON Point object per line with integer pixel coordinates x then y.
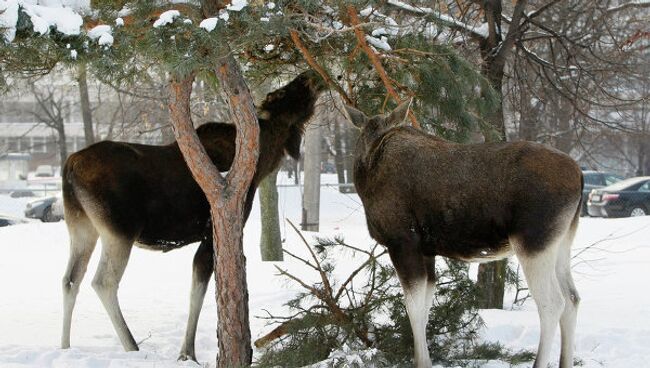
{"type": "Point", "coordinates": [147, 192]}
{"type": "Point", "coordinates": [426, 197]}
{"type": "Point", "coordinates": [126, 193]}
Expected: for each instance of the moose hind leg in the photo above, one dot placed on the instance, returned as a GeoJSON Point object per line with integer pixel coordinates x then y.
{"type": "Point", "coordinates": [115, 255]}
{"type": "Point", "coordinates": [201, 271]}
{"type": "Point", "coordinates": [83, 238]}
{"type": "Point", "coordinates": [410, 266]}
{"type": "Point", "coordinates": [539, 270]}
{"type": "Point", "coordinates": [569, 315]}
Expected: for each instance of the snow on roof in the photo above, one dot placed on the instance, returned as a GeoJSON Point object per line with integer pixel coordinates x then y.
{"type": "Point", "coordinates": [28, 130]}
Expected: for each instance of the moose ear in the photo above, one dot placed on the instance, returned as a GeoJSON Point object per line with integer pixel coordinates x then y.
{"type": "Point", "coordinates": [398, 116]}
{"type": "Point", "coordinates": [356, 117]}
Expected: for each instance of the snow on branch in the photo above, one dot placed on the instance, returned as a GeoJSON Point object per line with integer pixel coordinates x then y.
{"type": "Point", "coordinates": [630, 5]}
{"type": "Point", "coordinates": [480, 31]}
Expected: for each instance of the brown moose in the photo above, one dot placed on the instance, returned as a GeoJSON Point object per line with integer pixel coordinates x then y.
{"type": "Point", "coordinates": [426, 197]}
{"type": "Point", "coordinates": [129, 194]}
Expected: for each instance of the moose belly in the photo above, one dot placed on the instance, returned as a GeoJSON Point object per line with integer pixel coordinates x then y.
{"type": "Point", "coordinates": [166, 236]}
{"type": "Point", "coordinates": [481, 254]}
{"type": "Point", "coordinates": [470, 249]}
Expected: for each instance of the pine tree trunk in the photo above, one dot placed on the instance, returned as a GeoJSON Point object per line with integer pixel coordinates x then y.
{"type": "Point", "coordinates": [233, 326]}
{"type": "Point", "coordinates": [86, 115]}
{"type": "Point", "coordinates": [270, 239]}
{"type": "Point", "coordinates": [227, 198]}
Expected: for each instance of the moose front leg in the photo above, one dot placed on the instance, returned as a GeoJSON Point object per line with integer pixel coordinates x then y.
{"type": "Point", "coordinates": [412, 270]}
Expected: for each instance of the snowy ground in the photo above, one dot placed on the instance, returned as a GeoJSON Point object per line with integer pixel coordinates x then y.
{"type": "Point", "coordinates": [613, 327]}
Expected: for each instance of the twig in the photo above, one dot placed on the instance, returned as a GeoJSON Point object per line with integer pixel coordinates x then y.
{"type": "Point", "coordinates": [361, 38]}
{"type": "Point", "coordinates": [319, 69]}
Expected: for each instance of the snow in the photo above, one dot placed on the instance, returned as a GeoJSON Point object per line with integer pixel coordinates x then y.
{"type": "Point", "coordinates": [613, 321]}
{"type": "Point", "coordinates": [9, 18]}
{"type": "Point", "coordinates": [480, 30]}
{"type": "Point", "coordinates": [366, 12]}
{"type": "Point", "coordinates": [380, 43]}
{"type": "Point", "coordinates": [166, 18]}
{"type": "Point", "coordinates": [105, 39]}
{"type": "Point", "coordinates": [209, 24]}
{"type": "Point", "coordinates": [101, 33]}
{"type": "Point", "coordinates": [270, 5]}
{"type": "Point", "coordinates": [237, 5]}
{"type": "Point", "coordinates": [98, 31]}
{"type": "Point", "coordinates": [50, 14]}
{"type": "Point", "coordinates": [119, 22]}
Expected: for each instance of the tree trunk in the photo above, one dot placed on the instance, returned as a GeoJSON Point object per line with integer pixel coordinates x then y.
{"type": "Point", "coordinates": [86, 115]}
{"type": "Point", "coordinates": [339, 159]}
{"type": "Point", "coordinates": [227, 200]}
{"type": "Point", "coordinates": [311, 195]}
{"type": "Point", "coordinates": [351, 136]}
{"type": "Point", "coordinates": [270, 240]}
{"type": "Point", "coordinates": [63, 147]}
{"type": "Point", "coordinates": [494, 52]}
{"type": "Point", "coordinates": [233, 326]}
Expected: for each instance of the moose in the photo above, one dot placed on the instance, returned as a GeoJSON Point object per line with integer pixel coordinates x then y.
{"type": "Point", "coordinates": [129, 194]}
{"type": "Point", "coordinates": [426, 197]}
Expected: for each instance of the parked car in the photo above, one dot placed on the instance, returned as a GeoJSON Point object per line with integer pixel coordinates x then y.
{"type": "Point", "coordinates": [327, 168]}
{"type": "Point", "coordinates": [22, 193]}
{"type": "Point", "coordinates": [48, 209]}
{"type": "Point", "coordinates": [44, 171]}
{"type": "Point", "coordinates": [594, 180]}
{"type": "Point", "coordinates": [6, 220]}
{"type": "Point", "coordinates": [629, 197]}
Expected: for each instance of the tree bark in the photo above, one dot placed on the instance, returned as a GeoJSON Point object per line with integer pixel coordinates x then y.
{"type": "Point", "coordinates": [86, 115]}
{"type": "Point", "coordinates": [494, 52]}
{"type": "Point", "coordinates": [351, 136]}
{"type": "Point", "coordinates": [311, 195]}
{"type": "Point", "coordinates": [227, 198]}
{"type": "Point", "coordinates": [270, 239]}
{"type": "Point", "coordinates": [63, 147]}
{"type": "Point", "coordinates": [339, 155]}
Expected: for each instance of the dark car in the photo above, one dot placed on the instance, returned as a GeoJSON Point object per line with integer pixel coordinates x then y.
{"type": "Point", "coordinates": [594, 180]}
{"type": "Point", "coordinates": [48, 209]}
{"type": "Point", "coordinates": [630, 197]}
{"type": "Point", "coordinates": [6, 220]}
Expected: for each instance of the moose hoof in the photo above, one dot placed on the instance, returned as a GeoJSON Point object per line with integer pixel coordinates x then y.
{"type": "Point", "coordinates": [187, 356]}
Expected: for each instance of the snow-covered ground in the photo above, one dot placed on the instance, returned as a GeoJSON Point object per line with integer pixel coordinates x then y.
{"type": "Point", "coordinates": [613, 327]}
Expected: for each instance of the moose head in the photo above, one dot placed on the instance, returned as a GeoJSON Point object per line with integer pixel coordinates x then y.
{"type": "Point", "coordinates": [292, 105]}
{"type": "Point", "coordinates": [374, 127]}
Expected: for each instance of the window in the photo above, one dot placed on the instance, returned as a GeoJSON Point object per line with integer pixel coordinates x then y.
{"type": "Point", "coordinates": [38, 145]}
{"type": "Point", "coordinates": [592, 179]}
{"type": "Point", "coordinates": [13, 144]}
{"type": "Point", "coordinates": [611, 179]}
{"type": "Point", "coordinates": [25, 144]}
{"type": "Point", "coordinates": [645, 187]}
